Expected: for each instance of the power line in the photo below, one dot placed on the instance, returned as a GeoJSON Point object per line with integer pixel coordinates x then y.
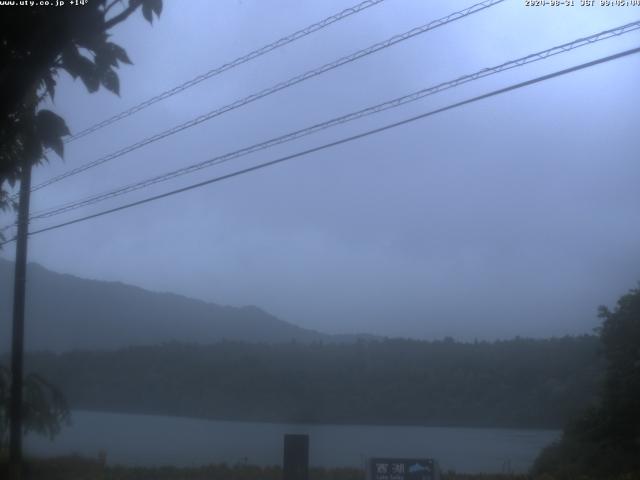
{"type": "Point", "coordinates": [346, 139]}
{"type": "Point", "coordinates": [534, 57]}
{"type": "Point", "coordinates": [276, 88]}
{"type": "Point", "coordinates": [227, 66]}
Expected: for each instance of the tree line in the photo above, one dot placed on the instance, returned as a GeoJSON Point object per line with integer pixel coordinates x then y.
{"type": "Point", "coordinates": [515, 383]}
{"type": "Point", "coordinates": [603, 441]}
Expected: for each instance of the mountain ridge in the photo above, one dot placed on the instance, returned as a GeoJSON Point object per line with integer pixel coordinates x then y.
{"type": "Point", "coordinates": [66, 312]}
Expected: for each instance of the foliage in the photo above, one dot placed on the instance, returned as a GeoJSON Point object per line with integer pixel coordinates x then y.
{"type": "Point", "coordinates": [620, 336]}
{"type": "Point", "coordinates": [44, 407]}
{"type": "Point", "coordinates": [516, 383]}
{"type": "Point", "coordinates": [605, 439]}
{"type": "Point", "coordinates": [78, 468]}
{"type": "Point", "coordinates": [36, 43]}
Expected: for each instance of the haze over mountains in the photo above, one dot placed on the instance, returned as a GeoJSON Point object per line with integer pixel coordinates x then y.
{"type": "Point", "coordinates": [65, 312]}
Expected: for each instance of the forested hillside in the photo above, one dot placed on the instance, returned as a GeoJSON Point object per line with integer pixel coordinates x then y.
{"type": "Point", "coordinates": [516, 383]}
{"type": "Point", "coordinates": [64, 312]}
{"type": "Point", "coordinates": [604, 440]}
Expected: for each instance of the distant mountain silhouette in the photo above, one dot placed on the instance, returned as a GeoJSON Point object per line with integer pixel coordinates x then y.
{"type": "Point", "coordinates": [66, 312]}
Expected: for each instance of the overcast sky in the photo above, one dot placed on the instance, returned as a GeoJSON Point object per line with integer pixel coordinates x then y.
{"type": "Point", "coordinates": [517, 215]}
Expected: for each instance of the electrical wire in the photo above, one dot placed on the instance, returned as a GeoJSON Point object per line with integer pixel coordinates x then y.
{"type": "Point", "coordinates": [396, 102]}
{"type": "Point", "coordinates": [276, 88]}
{"type": "Point", "coordinates": [227, 66]}
{"type": "Point", "coordinates": [345, 140]}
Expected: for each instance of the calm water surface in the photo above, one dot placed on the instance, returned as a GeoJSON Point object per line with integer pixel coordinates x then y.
{"type": "Point", "coordinates": [155, 440]}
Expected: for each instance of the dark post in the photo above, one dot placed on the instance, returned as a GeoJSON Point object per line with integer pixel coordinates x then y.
{"type": "Point", "coordinates": [295, 465]}
{"type": "Point", "coordinates": [17, 345]}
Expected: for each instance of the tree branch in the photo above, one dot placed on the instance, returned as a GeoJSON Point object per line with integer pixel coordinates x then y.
{"type": "Point", "coordinates": [108, 7]}
{"type": "Point", "coordinates": [121, 16]}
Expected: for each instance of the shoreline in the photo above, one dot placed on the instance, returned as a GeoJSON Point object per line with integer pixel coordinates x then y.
{"type": "Point", "coordinates": [245, 421]}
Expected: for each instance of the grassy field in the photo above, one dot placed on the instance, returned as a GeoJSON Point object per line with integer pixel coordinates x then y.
{"type": "Point", "coordinates": [78, 468]}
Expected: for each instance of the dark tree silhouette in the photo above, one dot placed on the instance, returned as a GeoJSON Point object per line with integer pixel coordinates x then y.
{"type": "Point", "coordinates": [605, 440]}
{"type": "Point", "coordinates": [45, 408]}
{"type": "Point", "coordinates": [36, 44]}
{"type": "Point", "coordinates": [620, 336]}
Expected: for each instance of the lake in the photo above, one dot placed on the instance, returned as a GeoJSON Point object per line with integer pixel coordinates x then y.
{"type": "Point", "coordinates": [148, 440]}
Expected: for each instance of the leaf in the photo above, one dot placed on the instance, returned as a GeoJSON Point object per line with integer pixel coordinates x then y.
{"type": "Point", "coordinates": [88, 25]}
{"type": "Point", "coordinates": [70, 61]}
{"type": "Point", "coordinates": [149, 7]}
{"type": "Point", "coordinates": [57, 146]}
{"type": "Point", "coordinates": [110, 81]}
{"type": "Point", "coordinates": [92, 40]}
{"type": "Point", "coordinates": [36, 153]}
{"type": "Point", "coordinates": [79, 66]}
{"type": "Point", "coordinates": [156, 6]}
{"type": "Point", "coordinates": [51, 123]}
{"type": "Point", "coordinates": [105, 58]}
{"type": "Point", "coordinates": [90, 79]}
{"type": "Point", "coordinates": [147, 12]}
{"type": "Point", "coordinates": [118, 52]}
{"type": "Point", "coordinates": [50, 85]}
{"type": "Point", "coordinates": [50, 129]}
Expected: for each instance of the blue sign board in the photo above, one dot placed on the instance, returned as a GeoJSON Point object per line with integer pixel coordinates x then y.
{"type": "Point", "coordinates": [403, 469]}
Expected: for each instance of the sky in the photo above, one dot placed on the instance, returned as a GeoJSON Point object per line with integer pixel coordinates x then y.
{"type": "Point", "coordinates": [516, 215]}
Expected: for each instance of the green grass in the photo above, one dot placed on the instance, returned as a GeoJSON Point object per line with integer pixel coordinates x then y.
{"type": "Point", "coordinates": [79, 468]}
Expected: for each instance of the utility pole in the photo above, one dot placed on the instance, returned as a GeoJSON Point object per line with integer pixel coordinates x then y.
{"type": "Point", "coordinates": [17, 345]}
